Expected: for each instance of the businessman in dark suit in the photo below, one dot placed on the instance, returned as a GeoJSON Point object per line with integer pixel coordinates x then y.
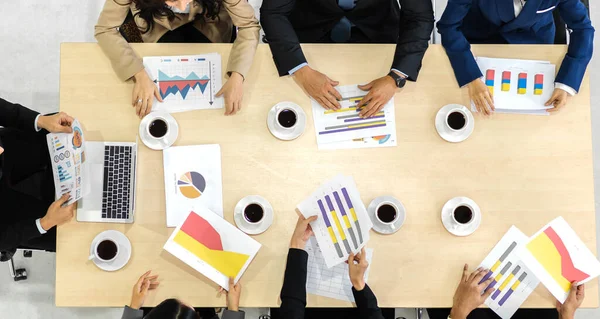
{"type": "Point", "coordinates": [515, 22]}
{"type": "Point", "coordinates": [287, 23]}
{"type": "Point", "coordinates": [28, 212]}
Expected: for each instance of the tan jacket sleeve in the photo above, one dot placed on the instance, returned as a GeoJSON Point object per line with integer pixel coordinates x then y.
{"type": "Point", "coordinates": [244, 46]}
{"type": "Point", "coordinates": [123, 58]}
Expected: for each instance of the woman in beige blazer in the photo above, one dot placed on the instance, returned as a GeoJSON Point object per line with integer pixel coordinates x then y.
{"type": "Point", "coordinates": [189, 21]}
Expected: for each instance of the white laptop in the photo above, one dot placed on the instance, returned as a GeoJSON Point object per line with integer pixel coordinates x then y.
{"type": "Point", "coordinates": [112, 177]}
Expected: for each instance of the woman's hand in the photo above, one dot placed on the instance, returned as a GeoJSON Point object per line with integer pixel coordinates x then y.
{"type": "Point", "coordinates": [141, 288]}
{"type": "Point", "coordinates": [357, 270]}
{"type": "Point", "coordinates": [144, 91]}
{"type": "Point", "coordinates": [57, 123]}
{"type": "Point", "coordinates": [481, 96]}
{"type": "Point", "coordinates": [558, 100]}
{"type": "Point", "coordinates": [233, 296]}
{"type": "Point", "coordinates": [302, 232]}
{"type": "Point", "coordinates": [233, 91]}
{"type": "Point", "coordinates": [573, 302]}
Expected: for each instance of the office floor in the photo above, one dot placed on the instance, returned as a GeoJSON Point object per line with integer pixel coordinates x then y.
{"type": "Point", "coordinates": [29, 62]}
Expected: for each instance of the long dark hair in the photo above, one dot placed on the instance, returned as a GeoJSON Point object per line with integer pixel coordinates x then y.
{"type": "Point", "coordinates": [150, 9]}
{"type": "Point", "coordinates": [172, 309]}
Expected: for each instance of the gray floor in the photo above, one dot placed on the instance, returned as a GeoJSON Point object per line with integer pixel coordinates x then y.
{"type": "Point", "coordinates": [30, 39]}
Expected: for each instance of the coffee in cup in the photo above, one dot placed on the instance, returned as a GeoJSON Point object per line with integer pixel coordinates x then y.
{"type": "Point", "coordinates": [287, 118]}
{"type": "Point", "coordinates": [158, 128]}
{"type": "Point", "coordinates": [463, 214]}
{"type": "Point", "coordinates": [106, 250]}
{"type": "Point", "coordinates": [456, 120]}
{"type": "Point", "coordinates": [386, 213]}
{"type": "Point", "coordinates": [254, 213]}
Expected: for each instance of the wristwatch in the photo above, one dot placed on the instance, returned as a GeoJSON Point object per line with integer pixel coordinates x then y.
{"type": "Point", "coordinates": [400, 81]}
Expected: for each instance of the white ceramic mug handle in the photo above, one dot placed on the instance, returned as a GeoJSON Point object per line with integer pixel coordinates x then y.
{"type": "Point", "coordinates": [92, 256]}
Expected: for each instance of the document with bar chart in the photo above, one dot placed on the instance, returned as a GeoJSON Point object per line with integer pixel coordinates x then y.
{"type": "Point", "coordinates": [345, 125]}
{"type": "Point", "coordinates": [518, 86]}
{"type": "Point", "coordinates": [513, 281]}
{"type": "Point", "coordinates": [343, 225]}
{"type": "Point", "coordinates": [186, 82]}
{"type": "Point", "coordinates": [558, 257]}
{"type": "Point", "coordinates": [212, 246]}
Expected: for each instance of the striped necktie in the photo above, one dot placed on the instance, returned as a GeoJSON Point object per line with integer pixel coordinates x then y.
{"type": "Point", "coordinates": [341, 31]}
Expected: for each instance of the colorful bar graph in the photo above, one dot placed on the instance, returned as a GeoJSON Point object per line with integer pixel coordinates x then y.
{"type": "Point", "coordinates": [506, 81]}
{"type": "Point", "coordinates": [330, 229]}
{"type": "Point", "coordinates": [345, 128]}
{"type": "Point", "coordinates": [510, 248]}
{"type": "Point", "coordinates": [489, 79]}
{"type": "Point", "coordinates": [512, 289]}
{"type": "Point", "coordinates": [522, 84]}
{"type": "Point", "coordinates": [342, 110]}
{"type": "Point", "coordinates": [353, 213]}
{"type": "Point", "coordinates": [357, 119]}
{"type": "Point", "coordinates": [506, 282]}
{"type": "Point", "coordinates": [538, 84]}
{"type": "Point", "coordinates": [57, 144]}
{"type": "Point", "coordinates": [337, 223]}
{"type": "Point", "coordinates": [346, 219]}
{"type": "Point", "coordinates": [63, 174]}
{"type": "Point", "coordinates": [499, 276]}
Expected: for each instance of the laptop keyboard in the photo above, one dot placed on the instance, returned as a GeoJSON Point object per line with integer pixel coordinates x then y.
{"type": "Point", "coordinates": [117, 179]}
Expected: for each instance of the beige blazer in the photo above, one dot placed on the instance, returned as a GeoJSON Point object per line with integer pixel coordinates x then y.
{"type": "Point", "coordinates": [127, 63]}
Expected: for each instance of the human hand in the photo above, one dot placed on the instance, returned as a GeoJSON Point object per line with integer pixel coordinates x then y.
{"type": "Point", "coordinates": [233, 90]}
{"type": "Point", "coordinates": [468, 295]}
{"type": "Point", "coordinates": [302, 232]}
{"type": "Point", "coordinates": [144, 91]}
{"type": "Point", "coordinates": [233, 296]}
{"type": "Point", "coordinates": [481, 96]}
{"type": "Point", "coordinates": [357, 270]}
{"type": "Point", "coordinates": [141, 288]}
{"type": "Point", "coordinates": [57, 123]}
{"type": "Point", "coordinates": [57, 214]}
{"type": "Point", "coordinates": [380, 92]}
{"type": "Point", "coordinates": [574, 300]}
{"type": "Point", "coordinates": [558, 99]}
{"type": "Point", "coordinates": [1, 150]}
{"type": "Point", "coordinates": [320, 87]}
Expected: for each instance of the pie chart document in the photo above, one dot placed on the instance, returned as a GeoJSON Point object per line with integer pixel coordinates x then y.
{"type": "Point", "coordinates": [192, 180]}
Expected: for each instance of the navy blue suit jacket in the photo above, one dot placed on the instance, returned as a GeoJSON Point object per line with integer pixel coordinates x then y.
{"type": "Point", "coordinates": [493, 21]}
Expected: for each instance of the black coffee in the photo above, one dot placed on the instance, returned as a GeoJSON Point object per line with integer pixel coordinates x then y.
{"type": "Point", "coordinates": [106, 250]}
{"type": "Point", "coordinates": [287, 118]}
{"type": "Point", "coordinates": [463, 214]}
{"type": "Point", "coordinates": [253, 213]}
{"type": "Point", "coordinates": [158, 128]}
{"type": "Point", "coordinates": [386, 213]}
{"type": "Point", "coordinates": [456, 120]}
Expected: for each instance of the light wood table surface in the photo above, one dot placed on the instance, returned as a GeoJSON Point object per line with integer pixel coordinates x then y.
{"type": "Point", "coordinates": [521, 170]}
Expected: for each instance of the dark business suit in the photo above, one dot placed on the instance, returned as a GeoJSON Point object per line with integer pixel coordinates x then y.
{"type": "Point", "coordinates": [493, 21]}
{"type": "Point", "coordinates": [441, 313]}
{"type": "Point", "coordinates": [287, 23]}
{"type": "Point", "coordinates": [293, 294]}
{"type": "Point", "coordinates": [26, 184]}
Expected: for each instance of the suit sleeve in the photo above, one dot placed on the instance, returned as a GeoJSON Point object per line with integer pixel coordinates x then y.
{"type": "Point", "coordinates": [416, 24]}
{"type": "Point", "coordinates": [15, 234]}
{"type": "Point", "coordinates": [129, 313]}
{"type": "Point", "coordinates": [248, 28]}
{"type": "Point", "coordinates": [293, 292]}
{"type": "Point", "coordinates": [573, 66]}
{"type": "Point", "coordinates": [280, 34]}
{"type": "Point", "coordinates": [366, 302]}
{"type": "Point", "coordinates": [457, 47]}
{"type": "Point", "coordinates": [228, 314]}
{"type": "Point", "coordinates": [17, 116]}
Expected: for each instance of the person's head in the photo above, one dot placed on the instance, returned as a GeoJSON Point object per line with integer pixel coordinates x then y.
{"type": "Point", "coordinates": [172, 309]}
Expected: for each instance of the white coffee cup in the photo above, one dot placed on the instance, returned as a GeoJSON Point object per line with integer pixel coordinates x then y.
{"type": "Point", "coordinates": [386, 212]}
{"type": "Point", "coordinates": [464, 115]}
{"type": "Point", "coordinates": [158, 125]}
{"type": "Point", "coordinates": [96, 255]}
{"type": "Point", "coordinates": [463, 214]}
{"type": "Point", "coordinates": [286, 118]}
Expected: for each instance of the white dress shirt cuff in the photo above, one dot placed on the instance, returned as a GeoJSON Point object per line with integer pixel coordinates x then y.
{"type": "Point", "coordinates": [565, 88]}
{"type": "Point", "coordinates": [39, 226]}
{"type": "Point", "coordinates": [37, 129]}
{"type": "Point", "coordinates": [404, 74]}
{"type": "Point", "coordinates": [300, 66]}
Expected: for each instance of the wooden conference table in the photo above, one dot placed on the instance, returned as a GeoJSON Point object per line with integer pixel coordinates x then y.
{"type": "Point", "coordinates": [521, 170]}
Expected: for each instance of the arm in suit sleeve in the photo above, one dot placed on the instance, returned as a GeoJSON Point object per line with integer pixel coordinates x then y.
{"type": "Point", "coordinates": [15, 234]}
{"type": "Point", "coordinates": [17, 116]}
{"type": "Point", "coordinates": [228, 314]}
{"type": "Point", "coordinates": [280, 34]}
{"type": "Point", "coordinates": [457, 47]}
{"type": "Point", "coordinates": [416, 24]}
{"type": "Point", "coordinates": [293, 292]}
{"type": "Point", "coordinates": [366, 302]}
{"type": "Point", "coordinates": [580, 51]}
{"type": "Point", "coordinates": [130, 313]}
{"type": "Point", "coordinates": [244, 46]}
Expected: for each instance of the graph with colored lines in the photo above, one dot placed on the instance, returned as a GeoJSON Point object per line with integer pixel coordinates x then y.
{"type": "Point", "coordinates": [186, 82]}
{"type": "Point", "coordinates": [212, 246]}
{"type": "Point", "coordinates": [343, 224]}
{"type": "Point", "coordinates": [512, 280]}
{"type": "Point", "coordinates": [558, 257]}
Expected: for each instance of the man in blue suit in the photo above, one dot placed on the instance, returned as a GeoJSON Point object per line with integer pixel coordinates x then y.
{"type": "Point", "coordinates": [515, 22]}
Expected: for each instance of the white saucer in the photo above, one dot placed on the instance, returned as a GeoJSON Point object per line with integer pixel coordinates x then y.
{"type": "Point", "coordinates": [455, 228]}
{"type": "Point", "coordinates": [246, 226]}
{"type": "Point", "coordinates": [164, 142]}
{"type": "Point", "coordinates": [286, 134]}
{"type": "Point", "coordinates": [124, 250]}
{"type": "Point", "coordinates": [383, 228]}
{"type": "Point", "coordinates": [446, 132]}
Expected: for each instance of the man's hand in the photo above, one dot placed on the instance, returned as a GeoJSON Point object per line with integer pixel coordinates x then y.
{"type": "Point", "coordinates": [380, 92]}
{"type": "Point", "coordinates": [481, 97]}
{"type": "Point", "coordinates": [468, 295]}
{"type": "Point", "coordinates": [574, 300]}
{"type": "Point", "coordinates": [302, 232]}
{"type": "Point", "coordinates": [58, 215]}
{"type": "Point", "coordinates": [318, 86]}
{"type": "Point", "coordinates": [141, 288]}
{"type": "Point", "coordinates": [57, 123]}
{"type": "Point", "coordinates": [144, 91]}
{"type": "Point", "coordinates": [1, 150]}
{"type": "Point", "coordinates": [233, 296]}
{"type": "Point", "coordinates": [357, 266]}
{"type": "Point", "coordinates": [558, 99]}
{"type": "Point", "coordinates": [233, 91]}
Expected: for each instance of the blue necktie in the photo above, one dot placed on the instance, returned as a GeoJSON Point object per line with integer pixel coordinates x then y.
{"type": "Point", "coordinates": [341, 32]}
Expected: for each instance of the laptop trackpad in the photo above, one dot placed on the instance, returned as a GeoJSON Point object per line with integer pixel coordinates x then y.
{"type": "Point", "coordinates": [93, 201]}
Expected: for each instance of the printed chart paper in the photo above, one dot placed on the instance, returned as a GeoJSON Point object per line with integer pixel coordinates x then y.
{"type": "Point", "coordinates": [186, 82]}
{"type": "Point", "coordinates": [558, 257]}
{"type": "Point", "coordinates": [192, 179]}
{"type": "Point", "coordinates": [67, 154]}
{"type": "Point", "coordinates": [333, 282]}
{"type": "Point", "coordinates": [343, 224]}
{"type": "Point", "coordinates": [518, 86]}
{"type": "Point", "coordinates": [344, 125]}
{"type": "Point", "coordinates": [212, 246]}
{"type": "Point", "coordinates": [513, 281]}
